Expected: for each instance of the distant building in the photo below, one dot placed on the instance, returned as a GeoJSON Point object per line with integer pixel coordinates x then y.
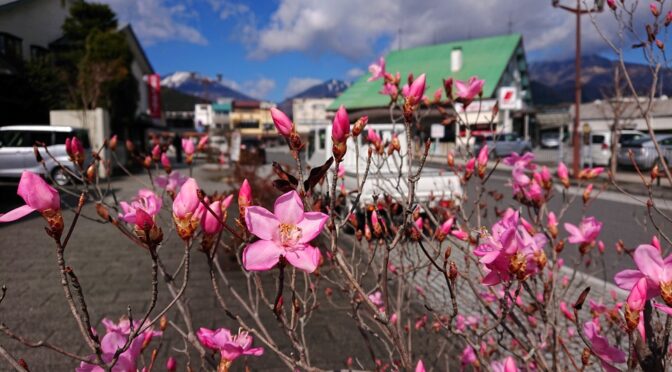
{"type": "Point", "coordinates": [600, 115]}
{"type": "Point", "coordinates": [178, 108]}
{"type": "Point", "coordinates": [253, 119]}
{"type": "Point", "coordinates": [499, 60]}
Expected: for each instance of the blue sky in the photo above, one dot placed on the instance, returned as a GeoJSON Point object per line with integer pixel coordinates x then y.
{"type": "Point", "coordinates": [274, 48]}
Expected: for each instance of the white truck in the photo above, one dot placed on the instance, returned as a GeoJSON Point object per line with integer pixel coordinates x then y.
{"type": "Point", "coordinates": [385, 179]}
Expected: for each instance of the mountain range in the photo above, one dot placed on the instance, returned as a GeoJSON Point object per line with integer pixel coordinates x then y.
{"type": "Point", "coordinates": [202, 86]}
{"type": "Point", "coordinates": [552, 82]}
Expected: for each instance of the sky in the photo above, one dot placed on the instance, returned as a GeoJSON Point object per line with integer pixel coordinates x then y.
{"type": "Point", "coordinates": [271, 49]}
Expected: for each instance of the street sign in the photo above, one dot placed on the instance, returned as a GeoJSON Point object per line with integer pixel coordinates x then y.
{"type": "Point", "coordinates": [509, 98]}
{"type": "Point", "coordinates": [437, 131]}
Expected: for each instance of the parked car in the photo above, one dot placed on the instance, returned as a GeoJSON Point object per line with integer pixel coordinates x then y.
{"type": "Point", "coordinates": [644, 152]}
{"type": "Point", "coordinates": [600, 146]}
{"type": "Point", "coordinates": [551, 140]}
{"type": "Point", "coordinates": [502, 145]}
{"type": "Point", "coordinates": [17, 155]}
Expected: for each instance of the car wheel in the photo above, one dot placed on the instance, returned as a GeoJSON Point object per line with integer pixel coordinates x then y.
{"type": "Point", "coordinates": [59, 176]}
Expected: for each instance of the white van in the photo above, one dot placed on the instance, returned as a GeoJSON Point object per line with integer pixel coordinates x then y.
{"type": "Point", "coordinates": [600, 146]}
{"type": "Point", "coordinates": [17, 155]}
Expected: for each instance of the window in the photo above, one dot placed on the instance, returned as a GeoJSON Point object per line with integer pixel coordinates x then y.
{"type": "Point", "coordinates": [10, 47]}
{"type": "Point", "coordinates": [597, 139]}
{"type": "Point", "coordinates": [321, 139]}
{"type": "Point", "coordinates": [37, 52]}
{"type": "Point", "coordinates": [14, 138]}
{"type": "Point", "coordinates": [248, 124]}
{"type": "Point", "coordinates": [629, 137]}
{"type": "Point", "coordinates": [43, 137]}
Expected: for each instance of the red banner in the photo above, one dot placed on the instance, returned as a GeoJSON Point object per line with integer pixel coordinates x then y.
{"type": "Point", "coordinates": [154, 85]}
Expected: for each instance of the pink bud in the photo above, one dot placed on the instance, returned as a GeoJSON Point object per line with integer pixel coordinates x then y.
{"type": "Point", "coordinates": [186, 202]}
{"type": "Point", "coordinates": [156, 152]}
{"type": "Point", "coordinates": [340, 126]}
{"type": "Point", "coordinates": [420, 367]}
{"type": "Point", "coordinates": [545, 174]}
{"type": "Point", "coordinates": [611, 4]}
{"type": "Point", "coordinates": [656, 243]}
{"type": "Point", "coordinates": [470, 165]}
{"type": "Point", "coordinates": [483, 157]}
{"type": "Point", "coordinates": [188, 146]}
{"type": "Point", "coordinates": [202, 142]}
{"type": "Point", "coordinates": [446, 226]}
{"type": "Point", "coordinates": [552, 220]}
{"type": "Point", "coordinates": [437, 94]}
{"type": "Point", "coordinates": [37, 194]}
{"type": "Point", "coordinates": [165, 162]}
{"type": "Point", "coordinates": [528, 226]}
{"type": "Point", "coordinates": [227, 201]}
{"type": "Point", "coordinates": [654, 9]}
{"type": "Point", "coordinates": [417, 88]}
{"type": "Point", "coordinates": [245, 195]}
{"type": "Point", "coordinates": [211, 223]}
{"type": "Point", "coordinates": [668, 18]}
{"type": "Point", "coordinates": [419, 224]}
{"type": "Point", "coordinates": [282, 123]}
{"type": "Point", "coordinates": [341, 170]}
{"type": "Point", "coordinates": [460, 234]}
{"type": "Point", "coordinates": [600, 246]}
{"type": "Point", "coordinates": [171, 364]}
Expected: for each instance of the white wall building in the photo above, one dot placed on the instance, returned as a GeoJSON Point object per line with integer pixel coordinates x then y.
{"type": "Point", "coordinates": [600, 115]}
{"type": "Point", "coordinates": [310, 113]}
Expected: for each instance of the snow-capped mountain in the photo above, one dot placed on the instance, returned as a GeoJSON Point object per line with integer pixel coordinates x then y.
{"type": "Point", "coordinates": [202, 86]}
{"type": "Point", "coordinates": [328, 89]}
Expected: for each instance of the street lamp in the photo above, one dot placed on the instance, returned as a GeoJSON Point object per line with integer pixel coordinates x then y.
{"type": "Point", "coordinates": [598, 6]}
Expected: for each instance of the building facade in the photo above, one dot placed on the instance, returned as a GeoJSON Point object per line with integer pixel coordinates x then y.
{"type": "Point", "coordinates": [253, 119]}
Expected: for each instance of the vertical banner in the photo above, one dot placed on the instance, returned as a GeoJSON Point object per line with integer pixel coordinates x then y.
{"type": "Point", "coordinates": [154, 85]}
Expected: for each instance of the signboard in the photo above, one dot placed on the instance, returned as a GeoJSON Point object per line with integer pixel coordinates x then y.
{"type": "Point", "coordinates": [154, 85]}
{"type": "Point", "coordinates": [508, 98]}
{"type": "Point", "coordinates": [235, 146]}
{"type": "Point", "coordinates": [482, 106]}
{"type": "Point", "coordinates": [437, 131]}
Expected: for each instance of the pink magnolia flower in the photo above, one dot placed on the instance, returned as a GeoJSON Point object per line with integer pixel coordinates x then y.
{"type": "Point", "coordinates": [171, 182]}
{"type": "Point", "coordinates": [605, 352]}
{"type": "Point", "coordinates": [468, 90]}
{"type": "Point", "coordinates": [340, 126]}
{"type": "Point", "coordinates": [638, 296]}
{"type": "Point", "coordinates": [37, 194]}
{"type": "Point", "coordinates": [377, 299]}
{"type": "Point", "coordinates": [585, 233]}
{"type": "Point", "coordinates": [552, 224]}
{"type": "Point", "coordinates": [611, 4]}
{"type": "Point", "coordinates": [651, 266]}
{"type": "Point", "coordinates": [229, 346]}
{"type": "Point", "coordinates": [563, 174]}
{"type": "Point", "coordinates": [520, 161]}
{"type": "Point", "coordinates": [115, 338]}
{"type": "Point", "coordinates": [460, 234]}
{"type": "Point", "coordinates": [417, 89]}
{"type": "Point", "coordinates": [654, 9]}
{"type": "Point", "coordinates": [171, 364]}
{"type": "Point", "coordinates": [282, 123]}
{"type": "Point", "coordinates": [438, 93]}
{"type": "Point", "coordinates": [156, 152]}
{"type": "Point", "coordinates": [202, 142]}
{"type": "Point", "coordinates": [245, 194]}
{"type": "Point", "coordinates": [165, 162]}
{"type": "Point", "coordinates": [420, 367]}
{"type": "Point", "coordinates": [468, 356]}
{"type": "Point", "coordinates": [188, 146]}
{"type": "Point", "coordinates": [187, 209]}
{"type": "Point", "coordinates": [211, 223]}
{"type": "Point", "coordinates": [565, 311]}
{"type": "Point", "coordinates": [146, 201]}
{"type": "Point", "coordinates": [286, 233]}
{"type": "Point", "coordinates": [373, 137]}
{"type": "Point", "coordinates": [596, 307]}
{"type": "Point", "coordinates": [655, 242]}
{"type": "Point", "coordinates": [506, 365]}
{"type": "Point", "coordinates": [75, 149]}
{"type": "Point", "coordinates": [377, 70]}
{"type": "Point", "coordinates": [389, 89]}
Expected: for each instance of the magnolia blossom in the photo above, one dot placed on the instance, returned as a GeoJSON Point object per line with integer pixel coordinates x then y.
{"type": "Point", "coordinates": [156, 152]}
{"type": "Point", "coordinates": [75, 149]}
{"type": "Point", "coordinates": [187, 209]}
{"type": "Point", "coordinates": [286, 233]}
{"type": "Point", "coordinates": [373, 137]}
{"type": "Point", "coordinates": [520, 161]}
{"type": "Point", "coordinates": [115, 338]}
{"type": "Point", "coordinates": [607, 354]}
{"type": "Point", "coordinates": [211, 224]}
{"type": "Point", "coordinates": [563, 174]}
{"type": "Point", "coordinates": [511, 251]}
{"type": "Point", "coordinates": [377, 70]}
{"type": "Point", "coordinates": [202, 142]}
{"type": "Point", "coordinates": [656, 270]}
{"type": "Point", "coordinates": [229, 346]}
{"type": "Point", "coordinates": [468, 356]}
{"type": "Point", "coordinates": [171, 182]}
{"type": "Point", "coordinates": [188, 146]}
{"type": "Point", "coordinates": [586, 232]}
{"type": "Point", "coordinates": [389, 89]}
{"type": "Point", "coordinates": [416, 89]}
{"type": "Point", "coordinates": [146, 201]}
{"type": "Point", "coordinates": [282, 123]}
{"type": "Point", "coordinates": [468, 90]}
{"type": "Point", "coordinates": [341, 125]}
{"type": "Point", "coordinates": [37, 194]}
{"type": "Point", "coordinates": [506, 365]}
{"type": "Point", "coordinates": [171, 364]}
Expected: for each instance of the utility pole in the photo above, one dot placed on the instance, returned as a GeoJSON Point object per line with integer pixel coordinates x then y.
{"type": "Point", "coordinates": [578, 11]}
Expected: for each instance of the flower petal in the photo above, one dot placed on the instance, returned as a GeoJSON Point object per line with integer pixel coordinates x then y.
{"type": "Point", "coordinates": [663, 308]}
{"type": "Point", "coordinates": [17, 213]}
{"type": "Point", "coordinates": [289, 208]}
{"type": "Point", "coordinates": [311, 225]}
{"type": "Point", "coordinates": [627, 279]}
{"type": "Point", "coordinates": [261, 222]}
{"type": "Point", "coordinates": [305, 259]}
{"type": "Point", "coordinates": [576, 236]}
{"type": "Point", "coordinates": [649, 262]}
{"type": "Point", "coordinates": [261, 255]}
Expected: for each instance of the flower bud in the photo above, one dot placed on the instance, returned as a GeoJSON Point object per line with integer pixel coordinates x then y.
{"type": "Point", "coordinates": [283, 124]}
{"type": "Point", "coordinates": [165, 162]}
{"type": "Point", "coordinates": [147, 163]}
{"type": "Point", "coordinates": [359, 125]}
{"type": "Point", "coordinates": [156, 153]}
{"type": "Point", "coordinates": [91, 173]}
{"type": "Point", "coordinates": [563, 174]}
{"type": "Point", "coordinates": [112, 143]}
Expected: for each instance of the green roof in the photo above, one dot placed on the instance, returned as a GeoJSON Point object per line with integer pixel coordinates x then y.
{"type": "Point", "coordinates": [486, 58]}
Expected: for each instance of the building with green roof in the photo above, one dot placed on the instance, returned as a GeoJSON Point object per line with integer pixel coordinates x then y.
{"type": "Point", "coordinates": [499, 60]}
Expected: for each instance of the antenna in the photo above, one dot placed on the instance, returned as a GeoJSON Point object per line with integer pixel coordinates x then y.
{"type": "Point", "coordinates": [399, 48]}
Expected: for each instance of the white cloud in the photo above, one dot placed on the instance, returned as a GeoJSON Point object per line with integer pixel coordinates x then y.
{"type": "Point", "coordinates": [259, 88]}
{"type": "Point", "coordinates": [297, 85]}
{"type": "Point", "coordinates": [157, 21]}
{"type": "Point", "coordinates": [228, 9]}
{"type": "Point", "coordinates": [351, 29]}
{"type": "Point", "coordinates": [354, 73]}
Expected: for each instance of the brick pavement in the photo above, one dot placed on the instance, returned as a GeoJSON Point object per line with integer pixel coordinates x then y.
{"type": "Point", "coordinates": [115, 274]}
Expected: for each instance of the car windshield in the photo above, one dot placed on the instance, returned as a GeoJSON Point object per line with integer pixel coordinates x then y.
{"type": "Point", "coordinates": [628, 137]}
{"type": "Point", "coordinates": [638, 141]}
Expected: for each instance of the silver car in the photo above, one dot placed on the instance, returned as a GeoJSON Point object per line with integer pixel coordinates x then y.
{"type": "Point", "coordinates": [17, 155]}
{"type": "Point", "coordinates": [502, 145]}
{"type": "Point", "coordinates": [644, 152]}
